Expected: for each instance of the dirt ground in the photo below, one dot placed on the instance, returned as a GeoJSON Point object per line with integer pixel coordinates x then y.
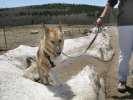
{"type": "Point", "coordinates": [108, 70]}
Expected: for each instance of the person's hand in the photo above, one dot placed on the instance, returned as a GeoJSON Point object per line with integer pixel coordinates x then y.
{"type": "Point", "coordinates": [99, 22]}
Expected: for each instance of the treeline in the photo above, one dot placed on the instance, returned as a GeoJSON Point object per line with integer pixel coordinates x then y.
{"type": "Point", "coordinates": [51, 14]}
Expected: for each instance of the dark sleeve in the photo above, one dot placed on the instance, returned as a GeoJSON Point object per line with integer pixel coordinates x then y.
{"type": "Point", "coordinates": [112, 3]}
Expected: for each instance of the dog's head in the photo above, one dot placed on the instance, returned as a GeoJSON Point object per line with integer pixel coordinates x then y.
{"type": "Point", "coordinates": [54, 41]}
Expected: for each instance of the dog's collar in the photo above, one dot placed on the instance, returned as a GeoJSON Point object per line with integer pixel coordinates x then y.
{"type": "Point", "coordinates": [52, 65]}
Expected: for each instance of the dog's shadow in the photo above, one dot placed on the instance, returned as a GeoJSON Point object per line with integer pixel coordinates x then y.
{"type": "Point", "coordinates": [127, 96]}
{"type": "Point", "coordinates": [63, 91]}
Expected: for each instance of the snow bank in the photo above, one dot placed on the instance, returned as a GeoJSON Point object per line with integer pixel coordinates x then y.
{"type": "Point", "coordinates": [81, 87]}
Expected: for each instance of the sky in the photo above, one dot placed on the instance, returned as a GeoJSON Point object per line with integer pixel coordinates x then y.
{"type": "Point", "coordinates": [18, 3]}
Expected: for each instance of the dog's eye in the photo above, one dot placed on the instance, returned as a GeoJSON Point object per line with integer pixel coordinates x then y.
{"type": "Point", "coordinates": [52, 42]}
{"type": "Point", "coordinates": [60, 41]}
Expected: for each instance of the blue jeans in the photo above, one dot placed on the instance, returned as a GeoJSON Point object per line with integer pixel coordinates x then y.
{"type": "Point", "coordinates": [126, 48]}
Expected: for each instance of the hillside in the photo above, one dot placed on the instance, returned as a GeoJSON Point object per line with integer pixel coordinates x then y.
{"type": "Point", "coordinates": [51, 14]}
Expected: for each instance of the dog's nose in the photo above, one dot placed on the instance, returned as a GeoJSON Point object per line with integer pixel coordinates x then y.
{"type": "Point", "coordinates": [58, 53]}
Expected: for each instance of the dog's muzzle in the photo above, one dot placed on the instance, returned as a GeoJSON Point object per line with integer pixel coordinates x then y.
{"type": "Point", "coordinates": [58, 50]}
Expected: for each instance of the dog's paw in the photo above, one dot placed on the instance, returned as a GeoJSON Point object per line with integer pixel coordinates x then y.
{"type": "Point", "coordinates": [45, 81]}
{"type": "Point", "coordinates": [32, 76]}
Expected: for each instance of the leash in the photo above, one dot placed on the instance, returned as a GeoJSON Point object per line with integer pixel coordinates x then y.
{"type": "Point", "coordinates": [99, 29]}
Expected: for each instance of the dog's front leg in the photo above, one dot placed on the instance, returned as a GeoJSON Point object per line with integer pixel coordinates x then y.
{"type": "Point", "coordinates": [43, 74]}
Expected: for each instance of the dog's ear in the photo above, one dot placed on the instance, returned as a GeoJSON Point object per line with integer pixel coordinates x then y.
{"type": "Point", "coordinates": [60, 26]}
{"type": "Point", "coordinates": [46, 30]}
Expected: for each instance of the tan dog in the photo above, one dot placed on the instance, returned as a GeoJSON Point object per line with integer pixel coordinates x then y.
{"type": "Point", "coordinates": [50, 47]}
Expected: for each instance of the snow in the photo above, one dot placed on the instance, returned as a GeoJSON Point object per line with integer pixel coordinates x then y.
{"type": "Point", "coordinates": [83, 86]}
{"type": "Point", "coordinates": [15, 87]}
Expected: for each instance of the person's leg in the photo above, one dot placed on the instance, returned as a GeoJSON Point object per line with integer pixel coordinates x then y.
{"type": "Point", "coordinates": [126, 45]}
